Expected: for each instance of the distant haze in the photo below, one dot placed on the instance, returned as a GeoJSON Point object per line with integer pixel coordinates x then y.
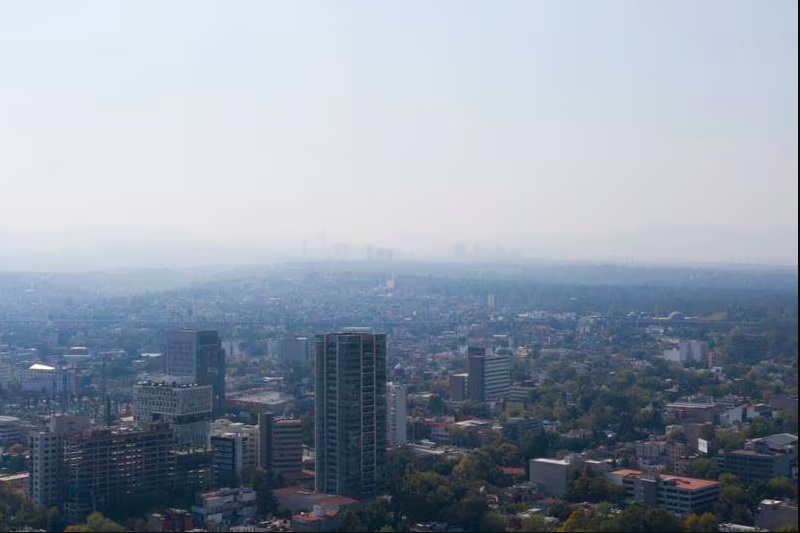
{"type": "Point", "coordinates": [147, 133]}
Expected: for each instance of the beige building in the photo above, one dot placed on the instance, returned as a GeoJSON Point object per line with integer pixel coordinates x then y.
{"type": "Point", "coordinates": [553, 475]}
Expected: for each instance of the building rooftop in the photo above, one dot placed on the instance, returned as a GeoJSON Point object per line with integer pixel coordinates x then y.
{"type": "Point", "coordinates": [15, 477]}
{"type": "Point", "coordinates": [170, 384]}
{"type": "Point", "coordinates": [40, 366]}
{"type": "Point", "coordinates": [690, 405]}
{"type": "Point", "coordinates": [625, 472]}
{"type": "Point", "coordinates": [295, 498]}
{"type": "Point", "coordinates": [262, 397]}
{"type": "Point", "coordinates": [562, 462]}
{"type": "Point", "coordinates": [512, 470]}
{"type": "Point", "coordinates": [690, 483]}
{"type": "Point", "coordinates": [779, 440]}
{"type": "Point", "coordinates": [686, 483]}
{"type": "Point", "coordinates": [749, 452]}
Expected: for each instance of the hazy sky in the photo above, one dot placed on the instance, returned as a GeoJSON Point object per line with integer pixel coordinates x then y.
{"type": "Point", "coordinates": [547, 126]}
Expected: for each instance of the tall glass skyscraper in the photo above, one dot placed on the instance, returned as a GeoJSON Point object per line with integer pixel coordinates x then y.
{"type": "Point", "coordinates": [350, 412]}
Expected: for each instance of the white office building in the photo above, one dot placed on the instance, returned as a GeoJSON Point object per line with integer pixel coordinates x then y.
{"type": "Point", "coordinates": [47, 380]}
{"type": "Point", "coordinates": [687, 351]}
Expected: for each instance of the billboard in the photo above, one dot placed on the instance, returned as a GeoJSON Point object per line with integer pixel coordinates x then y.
{"type": "Point", "coordinates": [702, 445]}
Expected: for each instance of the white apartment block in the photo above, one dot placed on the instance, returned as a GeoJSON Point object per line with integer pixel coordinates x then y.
{"type": "Point", "coordinates": [187, 408]}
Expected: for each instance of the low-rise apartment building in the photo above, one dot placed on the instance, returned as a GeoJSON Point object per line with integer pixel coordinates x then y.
{"type": "Point", "coordinates": [681, 495]}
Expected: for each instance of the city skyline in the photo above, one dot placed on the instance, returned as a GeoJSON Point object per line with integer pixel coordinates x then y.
{"type": "Point", "coordinates": [663, 131]}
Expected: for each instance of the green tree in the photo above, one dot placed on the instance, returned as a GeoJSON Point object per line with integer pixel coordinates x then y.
{"type": "Point", "coordinates": [16, 464]}
{"type": "Point", "coordinates": [478, 467]}
{"type": "Point", "coordinates": [473, 408]}
{"type": "Point", "coordinates": [788, 419]}
{"type": "Point", "coordinates": [96, 522]}
{"type": "Point", "coordinates": [436, 405]}
{"type": "Point", "coordinates": [400, 463]}
{"type": "Point", "coordinates": [730, 440]}
{"type": "Point", "coordinates": [373, 517]}
{"type": "Point", "coordinates": [560, 510]}
{"type": "Point", "coordinates": [579, 520]}
{"type": "Point", "coordinates": [264, 483]}
{"type": "Point", "coordinates": [492, 521]}
{"type": "Point", "coordinates": [423, 495]}
{"type": "Point", "coordinates": [696, 523]}
{"type": "Point", "coordinates": [735, 502]}
{"type": "Point", "coordinates": [589, 487]}
{"type": "Point", "coordinates": [534, 524]}
{"type": "Point", "coordinates": [705, 468]}
{"type": "Point", "coordinates": [137, 525]}
{"type": "Point", "coordinates": [709, 522]}
{"type": "Point", "coordinates": [780, 487]}
{"type": "Point", "coordinates": [350, 521]}
{"type": "Point", "coordinates": [504, 453]}
{"type": "Point", "coordinates": [53, 519]}
{"type": "Point", "coordinates": [466, 512]}
{"type": "Point", "coordinates": [633, 518]}
{"type": "Point", "coordinates": [661, 521]}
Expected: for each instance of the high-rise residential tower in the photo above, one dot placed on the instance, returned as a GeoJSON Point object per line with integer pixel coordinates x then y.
{"type": "Point", "coordinates": [350, 412]}
{"type": "Point", "coordinates": [198, 357]}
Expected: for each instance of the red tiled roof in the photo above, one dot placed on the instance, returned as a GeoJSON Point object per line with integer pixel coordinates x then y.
{"type": "Point", "coordinates": [690, 483]}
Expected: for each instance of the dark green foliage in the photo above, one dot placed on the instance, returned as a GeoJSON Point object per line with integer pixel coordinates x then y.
{"type": "Point", "coordinates": [592, 488]}
{"type": "Point", "coordinates": [17, 510]}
